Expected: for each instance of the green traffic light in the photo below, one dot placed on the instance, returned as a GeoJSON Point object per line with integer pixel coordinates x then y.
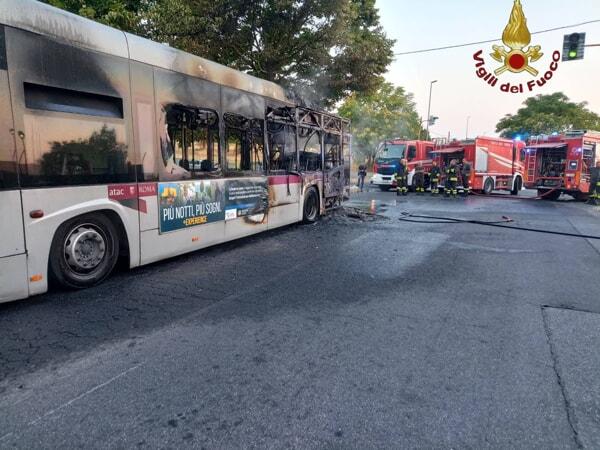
{"type": "Point", "coordinates": [573, 54]}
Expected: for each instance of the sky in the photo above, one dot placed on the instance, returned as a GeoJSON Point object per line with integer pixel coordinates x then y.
{"type": "Point", "coordinates": [459, 93]}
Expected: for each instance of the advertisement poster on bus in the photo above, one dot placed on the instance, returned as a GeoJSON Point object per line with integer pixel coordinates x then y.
{"type": "Point", "coordinates": [246, 198]}
{"type": "Point", "coordinates": [190, 203]}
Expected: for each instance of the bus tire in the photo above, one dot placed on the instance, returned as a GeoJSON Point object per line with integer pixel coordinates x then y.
{"type": "Point", "coordinates": [517, 186]}
{"type": "Point", "coordinates": [84, 251]}
{"type": "Point", "coordinates": [488, 186]}
{"type": "Point", "coordinates": [310, 210]}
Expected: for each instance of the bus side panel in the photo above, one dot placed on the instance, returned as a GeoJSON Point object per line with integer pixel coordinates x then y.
{"type": "Point", "coordinates": [60, 205]}
{"type": "Point", "coordinates": [158, 246]}
{"type": "Point", "coordinates": [72, 108]}
{"type": "Point", "coordinates": [283, 202]}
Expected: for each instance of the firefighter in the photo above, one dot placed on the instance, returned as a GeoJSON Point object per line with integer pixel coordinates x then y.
{"type": "Point", "coordinates": [594, 184]}
{"type": "Point", "coordinates": [419, 179]}
{"type": "Point", "coordinates": [402, 178]}
{"type": "Point", "coordinates": [465, 172]}
{"type": "Point", "coordinates": [362, 173]}
{"type": "Point", "coordinates": [434, 178]}
{"type": "Point", "coordinates": [451, 179]}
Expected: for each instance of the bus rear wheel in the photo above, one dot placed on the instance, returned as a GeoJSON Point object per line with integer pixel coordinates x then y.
{"type": "Point", "coordinates": [84, 251]}
{"type": "Point", "coordinates": [310, 211]}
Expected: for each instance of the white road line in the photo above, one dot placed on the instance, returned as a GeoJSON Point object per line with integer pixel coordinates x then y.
{"type": "Point", "coordinates": [88, 392]}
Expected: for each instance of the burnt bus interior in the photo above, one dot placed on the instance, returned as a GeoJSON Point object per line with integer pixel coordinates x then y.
{"type": "Point", "coordinates": [85, 117]}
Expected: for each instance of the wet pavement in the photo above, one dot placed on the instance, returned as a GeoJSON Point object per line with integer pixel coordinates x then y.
{"type": "Point", "coordinates": [362, 331]}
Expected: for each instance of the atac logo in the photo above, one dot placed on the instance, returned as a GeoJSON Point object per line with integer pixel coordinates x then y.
{"type": "Point", "coordinates": [517, 55]}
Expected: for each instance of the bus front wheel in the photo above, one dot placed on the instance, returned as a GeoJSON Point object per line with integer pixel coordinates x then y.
{"type": "Point", "coordinates": [310, 212]}
{"type": "Point", "coordinates": [84, 251]}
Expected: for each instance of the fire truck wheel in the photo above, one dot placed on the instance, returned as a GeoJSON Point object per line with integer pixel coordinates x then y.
{"type": "Point", "coordinates": [488, 186]}
{"type": "Point", "coordinates": [311, 206]}
{"type": "Point", "coordinates": [517, 187]}
{"type": "Point", "coordinates": [84, 251]}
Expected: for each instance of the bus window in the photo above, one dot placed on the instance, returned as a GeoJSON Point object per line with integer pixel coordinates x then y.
{"type": "Point", "coordinates": [73, 150]}
{"type": "Point", "coordinates": [282, 147]}
{"type": "Point", "coordinates": [244, 144]}
{"type": "Point", "coordinates": [332, 151]}
{"type": "Point", "coordinates": [309, 145]}
{"type": "Point", "coordinates": [193, 141]}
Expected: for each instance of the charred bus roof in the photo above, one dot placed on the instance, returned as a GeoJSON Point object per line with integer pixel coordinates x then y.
{"type": "Point", "coordinates": [46, 20]}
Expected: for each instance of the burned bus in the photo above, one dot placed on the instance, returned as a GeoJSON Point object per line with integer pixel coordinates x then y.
{"type": "Point", "coordinates": [115, 147]}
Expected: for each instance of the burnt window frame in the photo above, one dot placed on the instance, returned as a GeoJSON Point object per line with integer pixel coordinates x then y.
{"type": "Point", "coordinates": [248, 129]}
{"type": "Point", "coordinates": [304, 162]}
{"type": "Point", "coordinates": [189, 116]}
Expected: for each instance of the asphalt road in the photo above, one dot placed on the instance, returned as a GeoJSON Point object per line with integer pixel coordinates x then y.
{"type": "Point", "coordinates": [351, 333]}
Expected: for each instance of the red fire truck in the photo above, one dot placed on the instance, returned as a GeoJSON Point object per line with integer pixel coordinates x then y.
{"type": "Point", "coordinates": [559, 164]}
{"type": "Point", "coordinates": [389, 155]}
{"type": "Point", "coordinates": [496, 164]}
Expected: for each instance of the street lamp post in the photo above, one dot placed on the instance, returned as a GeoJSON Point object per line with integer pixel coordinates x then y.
{"type": "Point", "coordinates": [429, 107]}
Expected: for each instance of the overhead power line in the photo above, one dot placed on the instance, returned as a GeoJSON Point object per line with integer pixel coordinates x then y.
{"type": "Point", "coordinates": [412, 52]}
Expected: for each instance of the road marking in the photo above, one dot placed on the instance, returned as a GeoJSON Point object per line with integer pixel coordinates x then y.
{"type": "Point", "coordinates": [86, 393]}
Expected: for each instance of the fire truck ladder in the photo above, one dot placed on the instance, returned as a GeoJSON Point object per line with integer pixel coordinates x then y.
{"type": "Point", "coordinates": [531, 163]}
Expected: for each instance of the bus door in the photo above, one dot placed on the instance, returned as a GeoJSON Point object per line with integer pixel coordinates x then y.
{"type": "Point", "coordinates": [13, 268]}
{"type": "Point", "coordinates": [334, 173]}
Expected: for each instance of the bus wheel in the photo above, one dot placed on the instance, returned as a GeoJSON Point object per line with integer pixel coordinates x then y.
{"type": "Point", "coordinates": [311, 206]}
{"type": "Point", "coordinates": [488, 186]}
{"type": "Point", "coordinates": [84, 251]}
{"type": "Point", "coordinates": [517, 187]}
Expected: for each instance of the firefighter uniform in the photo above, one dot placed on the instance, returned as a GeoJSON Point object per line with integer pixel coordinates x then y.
{"type": "Point", "coordinates": [402, 179]}
{"type": "Point", "coordinates": [419, 179]}
{"type": "Point", "coordinates": [434, 180]}
{"type": "Point", "coordinates": [451, 181]}
{"type": "Point", "coordinates": [466, 175]}
{"type": "Point", "coordinates": [594, 196]}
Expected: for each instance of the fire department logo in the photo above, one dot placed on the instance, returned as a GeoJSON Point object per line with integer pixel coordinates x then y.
{"type": "Point", "coordinates": [516, 37]}
{"type": "Point", "coordinates": [517, 55]}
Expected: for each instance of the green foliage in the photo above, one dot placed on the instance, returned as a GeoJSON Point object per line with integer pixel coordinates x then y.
{"type": "Point", "coordinates": [122, 14]}
{"type": "Point", "coordinates": [545, 114]}
{"type": "Point", "coordinates": [322, 50]}
{"type": "Point", "coordinates": [389, 112]}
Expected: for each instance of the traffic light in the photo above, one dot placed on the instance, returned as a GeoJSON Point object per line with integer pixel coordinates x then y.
{"type": "Point", "coordinates": [573, 46]}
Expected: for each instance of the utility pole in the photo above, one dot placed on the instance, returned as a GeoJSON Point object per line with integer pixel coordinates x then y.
{"type": "Point", "coordinates": [429, 107]}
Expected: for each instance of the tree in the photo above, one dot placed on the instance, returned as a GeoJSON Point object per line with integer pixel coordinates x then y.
{"type": "Point", "coordinates": [545, 114]}
{"type": "Point", "coordinates": [387, 113]}
{"type": "Point", "coordinates": [122, 14]}
{"type": "Point", "coordinates": [321, 50]}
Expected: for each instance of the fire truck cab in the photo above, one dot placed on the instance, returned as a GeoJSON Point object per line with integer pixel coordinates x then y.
{"type": "Point", "coordinates": [496, 163]}
{"type": "Point", "coordinates": [388, 159]}
{"type": "Point", "coordinates": [559, 164]}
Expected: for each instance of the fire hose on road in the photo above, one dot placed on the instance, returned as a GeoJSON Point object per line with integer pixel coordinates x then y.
{"type": "Point", "coordinates": [425, 219]}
